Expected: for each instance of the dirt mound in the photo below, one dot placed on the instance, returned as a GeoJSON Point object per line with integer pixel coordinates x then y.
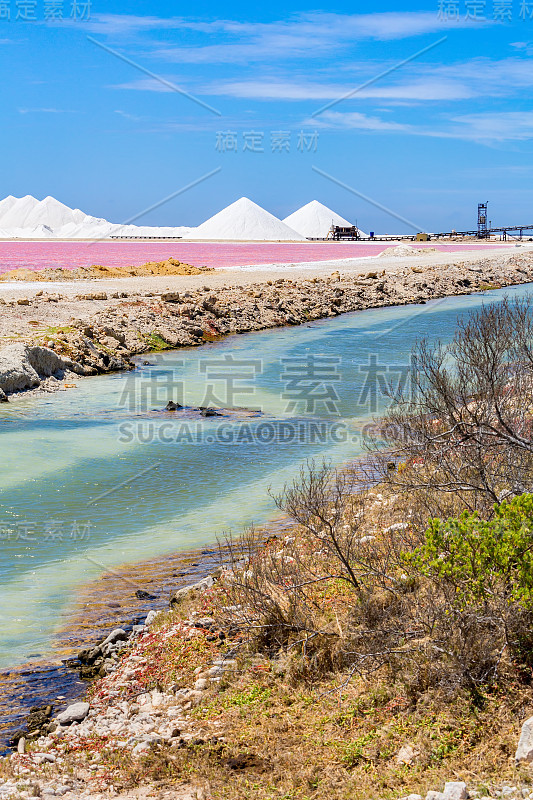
{"type": "Point", "coordinates": [169, 267]}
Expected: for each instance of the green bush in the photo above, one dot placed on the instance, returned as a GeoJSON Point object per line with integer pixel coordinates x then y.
{"type": "Point", "coordinates": [483, 561]}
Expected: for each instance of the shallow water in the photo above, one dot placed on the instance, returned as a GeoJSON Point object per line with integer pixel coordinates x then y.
{"type": "Point", "coordinates": [97, 475]}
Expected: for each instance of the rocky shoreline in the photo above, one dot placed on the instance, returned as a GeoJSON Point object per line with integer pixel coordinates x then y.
{"type": "Point", "coordinates": [146, 717]}
{"type": "Point", "coordinates": [128, 715]}
{"type": "Point", "coordinates": [96, 333]}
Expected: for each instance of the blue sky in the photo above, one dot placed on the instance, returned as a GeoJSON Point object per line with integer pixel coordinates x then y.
{"type": "Point", "coordinates": [423, 109]}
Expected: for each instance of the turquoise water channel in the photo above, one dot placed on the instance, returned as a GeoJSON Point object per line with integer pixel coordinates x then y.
{"type": "Point", "coordinates": [98, 475]}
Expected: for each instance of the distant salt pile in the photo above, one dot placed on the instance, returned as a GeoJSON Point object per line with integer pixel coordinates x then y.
{"type": "Point", "coordinates": [150, 231]}
{"type": "Point", "coordinates": [314, 220]}
{"type": "Point", "coordinates": [29, 218]}
{"type": "Point", "coordinates": [406, 250]}
{"type": "Point", "coordinates": [245, 220]}
{"type": "Point", "coordinates": [28, 212]}
{"type": "Point", "coordinates": [7, 203]}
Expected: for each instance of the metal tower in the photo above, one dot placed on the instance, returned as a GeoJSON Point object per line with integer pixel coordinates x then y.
{"type": "Point", "coordinates": [482, 227]}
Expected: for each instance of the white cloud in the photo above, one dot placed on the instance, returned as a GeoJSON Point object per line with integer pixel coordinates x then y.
{"type": "Point", "coordinates": [493, 126]}
{"type": "Point", "coordinates": [46, 111]}
{"type": "Point", "coordinates": [486, 128]}
{"type": "Point", "coordinates": [304, 36]}
{"type": "Point", "coordinates": [413, 83]}
{"type": "Point", "coordinates": [307, 36]}
{"type": "Point", "coordinates": [500, 75]}
{"type": "Point", "coordinates": [123, 24]}
{"type": "Point", "coordinates": [148, 84]}
{"type": "Point", "coordinates": [415, 90]}
{"type": "Point", "coordinates": [356, 121]}
{"type": "Point", "coordinates": [125, 114]}
{"type": "Point", "coordinates": [381, 25]}
{"type": "Point", "coordinates": [410, 84]}
{"type": "Point", "coordinates": [523, 47]}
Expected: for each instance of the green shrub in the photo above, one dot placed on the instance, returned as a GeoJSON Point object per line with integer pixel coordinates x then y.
{"type": "Point", "coordinates": [482, 560]}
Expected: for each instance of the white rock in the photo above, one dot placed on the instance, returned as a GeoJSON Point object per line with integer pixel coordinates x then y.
{"type": "Point", "coordinates": [23, 367]}
{"type": "Point", "coordinates": [74, 713]}
{"type": "Point", "coordinates": [156, 699]}
{"type": "Point", "coordinates": [201, 684]}
{"type": "Point", "coordinates": [406, 755]}
{"type": "Point", "coordinates": [140, 749]}
{"type": "Point", "coordinates": [150, 618]}
{"type": "Point", "coordinates": [201, 586]}
{"type": "Point", "coordinates": [398, 526]}
{"type": "Point", "coordinates": [42, 758]}
{"type": "Point", "coordinates": [455, 790]}
{"type": "Point", "coordinates": [431, 795]}
{"type": "Point", "coordinates": [214, 671]}
{"type": "Point", "coordinates": [144, 700]}
{"type": "Point", "coordinates": [119, 634]}
{"type": "Point", "coordinates": [524, 751]}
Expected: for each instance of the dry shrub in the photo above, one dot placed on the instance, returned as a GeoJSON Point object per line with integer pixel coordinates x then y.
{"type": "Point", "coordinates": [462, 435]}
{"type": "Point", "coordinates": [341, 595]}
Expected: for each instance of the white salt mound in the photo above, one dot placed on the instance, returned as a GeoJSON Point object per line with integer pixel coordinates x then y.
{"type": "Point", "coordinates": [399, 250]}
{"type": "Point", "coordinates": [150, 230]}
{"type": "Point", "coordinates": [314, 220]}
{"type": "Point", "coordinates": [29, 218]}
{"type": "Point", "coordinates": [28, 212]}
{"type": "Point", "coordinates": [53, 214]}
{"type": "Point", "coordinates": [245, 220]}
{"type": "Point", "coordinates": [406, 250]}
{"type": "Point", "coordinates": [7, 203]}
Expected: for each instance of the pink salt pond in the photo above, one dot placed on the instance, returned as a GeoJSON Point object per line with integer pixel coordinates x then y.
{"type": "Point", "coordinates": [69, 255]}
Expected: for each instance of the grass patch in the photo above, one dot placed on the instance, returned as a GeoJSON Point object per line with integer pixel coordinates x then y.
{"type": "Point", "coordinates": [319, 746]}
{"type": "Point", "coordinates": [486, 287]}
{"type": "Point", "coordinates": [54, 330]}
{"type": "Point", "coordinates": [156, 342]}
